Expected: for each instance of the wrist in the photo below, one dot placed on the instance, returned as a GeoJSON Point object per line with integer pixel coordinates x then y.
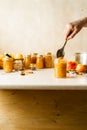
{"type": "Point", "coordinates": [84, 22]}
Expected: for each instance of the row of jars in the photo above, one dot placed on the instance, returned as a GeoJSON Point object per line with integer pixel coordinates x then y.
{"type": "Point", "coordinates": [9, 63]}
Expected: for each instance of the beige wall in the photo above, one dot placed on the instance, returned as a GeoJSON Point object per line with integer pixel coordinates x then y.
{"type": "Point", "coordinates": [28, 26]}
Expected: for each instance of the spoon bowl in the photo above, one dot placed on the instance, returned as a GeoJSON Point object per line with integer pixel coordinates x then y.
{"type": "Point", "coordinates": [60, 52]}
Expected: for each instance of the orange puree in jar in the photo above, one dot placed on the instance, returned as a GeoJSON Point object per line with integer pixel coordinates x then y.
{"type": "Point", "coordinates": [8, 64]}
{"type": "Point", "coordinates": [27, 61]}
{"type": "Point", "coordinates": [40, 62]}
{"type": "Point", "coordinates": [48, 60]}
{"type": "Point", "coordinates": [1, 61]}
{"type": "Point", "coordinates": [60, 66]}
{"type": "Point", "coordinates": [34, 58]}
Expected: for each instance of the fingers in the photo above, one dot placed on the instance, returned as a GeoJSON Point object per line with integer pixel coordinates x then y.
{"type": "Point", "coordinates": [67, 35]}
{"type": "Point", "coordinates": [72, 34]}
{"type": "Point", "coordinates": [68, 32]}
{"type": "Point", "coordinates": [72, 29]}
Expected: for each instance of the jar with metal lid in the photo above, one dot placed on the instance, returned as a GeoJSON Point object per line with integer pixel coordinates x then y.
{"type": "Point", "coordinates": [34, 58]}
{"type": "Point", "coordinates": [40, 62]}
{"type": "Point", "coordinates": [8, 64]}
{"type": "Point", "coordinates": [27, 61]}
{"type": "Point", "coordinates": [60, 67]}
{"type": "Point", "coordinates": [48, 60]}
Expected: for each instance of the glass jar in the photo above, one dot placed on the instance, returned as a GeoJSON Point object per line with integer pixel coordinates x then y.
{"type": "Point", "coordinates": [27, 61]}
{"type": "Point", "coordinates": [60, 67]}
{"type": "Point", "coordinates": [1, 61]}
{"type": "Point", "coordinates": [8, 64]}
{"type": "Point", "coordinates": [34, 58]}
{"type": "Point", "coordinates": [18, 64]}
{"type": "Point", "coordinates": [48, 60]}
{"type": "Point", "coordinates": [33, 66]}
{"type": "Point", "coordinates": [40, 62]}
{"type": "Point", "coordinates": [1, 64]}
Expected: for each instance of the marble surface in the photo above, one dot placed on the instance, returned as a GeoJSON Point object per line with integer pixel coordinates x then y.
{"type": "Point", "coordinates": [41, 79]}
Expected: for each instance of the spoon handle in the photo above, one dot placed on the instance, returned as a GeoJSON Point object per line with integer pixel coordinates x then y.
{"type": "Point", "coordinates": [64, 44]}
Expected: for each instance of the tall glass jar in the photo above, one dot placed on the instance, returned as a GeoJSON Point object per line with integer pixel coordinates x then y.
{"type": "Point", "coordinates": [8, 64]}
{"type": "Point", "coordinates": [48, 60]}
{"type": "Point", "coordinates": [34, 58]}
{"type": "Point", "coordinates": [27, 61]}
{"type": "Point", "coordinates": [40, 62]}
{"type": "Point", "coordinates": [60, 68]}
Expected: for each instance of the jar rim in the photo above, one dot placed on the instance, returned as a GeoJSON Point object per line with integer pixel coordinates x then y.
{"type": "Point", "coordinates": [7, 58]}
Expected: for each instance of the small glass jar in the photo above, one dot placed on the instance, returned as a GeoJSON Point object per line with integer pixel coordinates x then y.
{"type": "Point", "coordinates": [18, 64]}
{"type": "Point", "coordinates": [60, 68]}
{"type": "Point", "coordinates": [40, 62]}
{"type": "Point", "coordinates": [8, 64]}
{"type": "Point", "coordinates": [33, 66]}
{"type": "Point", "coordinates": [34, 58]}
{"type": "Point", "coordinates": [48, 60]}
{"type": "Point", "coordinates": [27, 61]}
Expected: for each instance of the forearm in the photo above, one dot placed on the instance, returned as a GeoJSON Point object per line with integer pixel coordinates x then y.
{"type": "Point", "coordinates": [84, 22]}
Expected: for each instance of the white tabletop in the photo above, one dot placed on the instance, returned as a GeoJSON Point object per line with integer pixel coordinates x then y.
{"type": "Point", "coordinates": [42, 80]}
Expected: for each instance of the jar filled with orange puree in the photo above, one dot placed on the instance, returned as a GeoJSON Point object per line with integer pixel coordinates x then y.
{"type": "Point", "coordinates": [8, 64]}
{"type": "Point", "coordinates": [60, 66]}
{"type": "Point", "coordinates": [48, 60]}
{"type": "Point", "coordinates": [27, 61]}
{"type": "Point", "coordinates": [40, 62]}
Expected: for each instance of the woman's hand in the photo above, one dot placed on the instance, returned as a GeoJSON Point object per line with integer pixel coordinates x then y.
{"type": "Point", "coordinates": [73, 28]}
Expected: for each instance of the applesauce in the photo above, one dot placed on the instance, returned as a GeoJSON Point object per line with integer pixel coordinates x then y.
{"type": "Point", "coordinates": [34, 58]}
{"type": "Point", "coordinates": [60, 67]}
{"type": "Point", "coordinates": [40, 62]}
{"type": "Point", "coordinates": [1, 61]}
{"type": "Point", "coordinates": [48, 60]}
{"type": "Point", "coordinates": [27, 61]}
{"type": "Point", "coordinates": [8, 64]}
